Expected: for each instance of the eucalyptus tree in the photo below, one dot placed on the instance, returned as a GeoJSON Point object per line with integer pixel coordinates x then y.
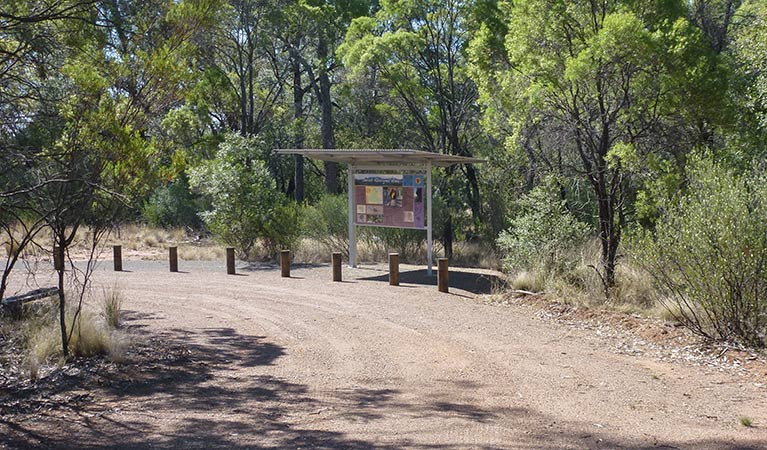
{"type": "Point", "coordinates": [603, 76]}
{"type": "Point", "coordinates": [750, 51]}
{"type": "Point", "coordinates": [329, 22]}
{"type": "Point", "coordinates": [417, 49]}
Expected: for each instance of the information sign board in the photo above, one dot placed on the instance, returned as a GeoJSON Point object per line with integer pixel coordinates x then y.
{"type": "Point", "coordinates": [390, 200]}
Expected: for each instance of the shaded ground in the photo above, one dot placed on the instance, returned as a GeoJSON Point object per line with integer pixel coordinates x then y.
{"type": "Point", "coordinates": [261, 362]}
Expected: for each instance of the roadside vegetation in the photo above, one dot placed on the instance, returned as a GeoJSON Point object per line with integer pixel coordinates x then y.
{"type": "Point", "coordinates": [33, 341]}
{"type": "Point", "coordinates": [625, 141]}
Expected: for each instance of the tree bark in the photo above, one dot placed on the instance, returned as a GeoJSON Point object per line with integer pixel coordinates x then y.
{"type": "Point", "coordinates": [298, 116]}
{"type": "Point", "coordinates": [475, 203]}
{"type": "Point", "coordinates": [326, 123]}
{"type": "Point", "coordinates": [447, 236]}
{"type": "Point", "coordinates": [62, 298]}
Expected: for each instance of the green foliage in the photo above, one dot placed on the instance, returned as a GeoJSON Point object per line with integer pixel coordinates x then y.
{"type": "Point", "coordinates": [245, 205]}
{"type": "Point", "coordinates": [709, 254]}
{"type": "Point", "coordinates": [283, 230]}
{"type": "Point", "coordinates": [543, 235]}
{"type": "Point", "coordinates": [750, 49]}
{"type": "Point", "coordinates": [585, 88]}
{"type": "Point", "coordinates": [326, 222]}
{"type": "Point", "coordinates": [173, 205]}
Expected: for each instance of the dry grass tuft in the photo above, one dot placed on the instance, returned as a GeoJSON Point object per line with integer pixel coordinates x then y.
{"type": "Point", "coordinates": [201, 253]}
{"type": "Point", "coordinates": [746, 421]}
{"type": "Point", "coordinates": [529, 281]}
{"type": "Point", "coordinates": [90, 335]}
{"type": "Point", "coordinates": [112, 303]}
{"type": "Point", "coordinates": [471, 254]}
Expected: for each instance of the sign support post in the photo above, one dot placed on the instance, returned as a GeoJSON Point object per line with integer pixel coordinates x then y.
{"type": "Point", "coordinates": [352, 212]}
{"type": "Point", "coordinates": [429, 238]}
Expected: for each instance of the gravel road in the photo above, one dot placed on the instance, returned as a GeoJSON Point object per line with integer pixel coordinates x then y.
{"type": "Point", "coordinates": [307, 363]}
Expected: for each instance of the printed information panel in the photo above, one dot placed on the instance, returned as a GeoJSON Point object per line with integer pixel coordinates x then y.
{"type": "Point", "coordinates": [390, 200]}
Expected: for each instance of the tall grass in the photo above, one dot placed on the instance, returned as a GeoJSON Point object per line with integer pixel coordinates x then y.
{"type": "Point", "coordinates": [112, 303]}
{"type": "Point", "coordinates": [91, 333]}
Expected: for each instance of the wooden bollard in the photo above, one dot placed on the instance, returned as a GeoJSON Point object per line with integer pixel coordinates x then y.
{"type": "Point", "coordinates": [336, 266]}
{"type": "Point", "coordinates": [394, 269]}
{"type": "Point", "coordinates": [117, 256]}
{"type": "Point", "coordinates": [442, 275]}
{"type": "Point", "coordinates": [173, 258]}
{"type": "Point", "coordinates": [58, 259]}
{"type": "Point", "coordinates": [230, 260]}
{"type": "Point", "coordinates": [285, 263]}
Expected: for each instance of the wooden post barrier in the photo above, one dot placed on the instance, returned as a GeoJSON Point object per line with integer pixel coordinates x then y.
{"type": "Point", "coordinates": [58, 259]}
{"type": "Point", "coordinates": [336, 266]}
{"type": "Point", "coordinates": [442, 275]}
{"type": "Point", "coordinates": [117, 256]}
{"type": "Point", "coordinates": [173, 258]}
{"type": "Point", "coordinates": [285, 263]}
{"type": "Point", "coordinates": [230, 260]}
{"type": "Point", "coordinates": [394, 269]}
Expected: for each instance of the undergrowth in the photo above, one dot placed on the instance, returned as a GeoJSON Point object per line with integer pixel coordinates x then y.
{"type": "Point", "coordinates": [91, 333]}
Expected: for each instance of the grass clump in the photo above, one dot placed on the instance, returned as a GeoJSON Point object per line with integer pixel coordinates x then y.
{"type": "Point", "coordinates": [89, 333]}
{"type": "Point", "coordinates": [746, 421]}
{"type": "Point", "coordinates": [528, 281]}
{"type": "Point", "coordinates": [112, 304]}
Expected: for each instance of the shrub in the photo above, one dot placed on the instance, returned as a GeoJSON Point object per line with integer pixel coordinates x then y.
{"type": "Point", "coordinates": [245, 204]}
{"type": "Point", "coordinates": [544, 234]}
{"type": "Point", "coordinates": [408, 243]}
{"type": "Point", "coordinates": [708, 254]}
{"type": "Point", "coordinates": [173, 205]}
{"type": "Point", "coordinates": [326, 223]}
{"type": "Point", "coordinates": [284, 229]}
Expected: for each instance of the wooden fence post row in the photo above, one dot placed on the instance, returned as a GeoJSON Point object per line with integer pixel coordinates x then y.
{"type": "Point", "coordinates": [442, 271]}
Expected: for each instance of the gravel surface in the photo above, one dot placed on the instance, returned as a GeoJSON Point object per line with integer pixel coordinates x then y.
{"type": "Point", "coordinates": [256, 361]}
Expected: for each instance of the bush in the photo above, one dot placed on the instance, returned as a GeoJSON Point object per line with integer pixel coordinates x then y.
{"type": "Point", "coordinates": [407, 242]}
{"type": "Point", "coordinates": [326, 223]}
{"type": "Point", "coordinates": [708, 254]}
{"type": "Point", "coordinates": [173, 205]}
{"type": "Point", "coordinates": [245, 205]}
{"type": "Point", "coordinates": [284, 230]}
{"type": "Point", "coordinates": [544, 235]}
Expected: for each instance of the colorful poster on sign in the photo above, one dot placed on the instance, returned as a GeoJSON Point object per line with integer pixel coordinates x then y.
{"type": "Point", "coordinates": [390, 200]}
{"type": "Point", "coordinates": [374, 195]}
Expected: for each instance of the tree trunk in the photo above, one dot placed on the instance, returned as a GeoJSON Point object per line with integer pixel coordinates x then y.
{"type": "Point", "coordinates": [475, 203]}
{"type": "Point", "coordinates": [609, 231]}
{"type": "Point", "coordinates": [298, 116]}
{"type": "Point", "coordinates": [62, 299]}
{"type": "Point", "coordinates": [326, 123]}
{"type": "Point", "coordinates": [243, 101]}
{"type": "Point", "coordinates": [447, 236]}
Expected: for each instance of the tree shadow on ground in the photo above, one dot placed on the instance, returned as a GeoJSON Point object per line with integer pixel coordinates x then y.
{"type": "Point", "coordinates": [476, 283]}
{"type": "Point", "coordinates": [265, 266]}
{"type": "Point", "coordinates": [208, 388]}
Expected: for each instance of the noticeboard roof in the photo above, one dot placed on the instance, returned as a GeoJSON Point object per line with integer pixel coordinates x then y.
{"type": "Point", "coordinates": [381, 156]}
